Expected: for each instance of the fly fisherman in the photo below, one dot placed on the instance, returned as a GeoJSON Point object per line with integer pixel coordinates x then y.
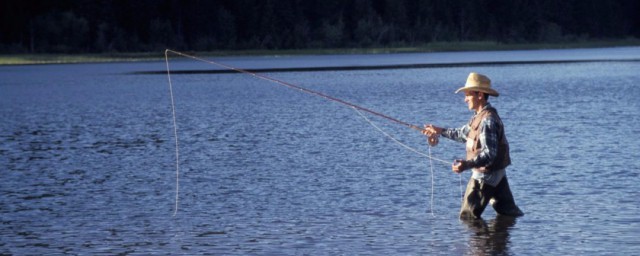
{"type": "Point", "coordinates": [487, 152]}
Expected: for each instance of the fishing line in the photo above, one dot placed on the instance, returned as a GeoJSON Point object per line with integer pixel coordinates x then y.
{"type": "Point", "coordinates": [460, 185]}
{"type": "Point", "coordinates": [293, 86]}
{"type": "Point", "coordinates": [175, 132]}
{"type": "Point", "coordinates": [432, 179]}
{"type": "Point", "coordinates": [357, 108]}
{"type": "Point", "coordinates": [399, 142]}
{"type": "Point", "coordinates": [431, 158]}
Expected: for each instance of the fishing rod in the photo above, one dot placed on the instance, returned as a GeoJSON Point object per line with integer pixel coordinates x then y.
{"type": "Point", "coordinates": [296, 87]}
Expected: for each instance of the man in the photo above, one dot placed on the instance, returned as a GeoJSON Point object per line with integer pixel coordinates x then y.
{"type": "Point", "coordinates": [487, 152]}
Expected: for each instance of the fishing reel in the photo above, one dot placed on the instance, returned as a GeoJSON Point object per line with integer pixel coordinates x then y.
{"type": "Point", "coordinates": [433, 140]}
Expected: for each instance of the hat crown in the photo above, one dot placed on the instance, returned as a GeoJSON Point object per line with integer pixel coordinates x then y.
{"type": "Point", "coordinates": [478, 83]}
{"type": "Point", "coordinates": [477, 80]}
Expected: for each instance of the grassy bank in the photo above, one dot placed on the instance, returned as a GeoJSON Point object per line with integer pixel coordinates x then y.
{"type": "Point", "coordinates": [28, 59]}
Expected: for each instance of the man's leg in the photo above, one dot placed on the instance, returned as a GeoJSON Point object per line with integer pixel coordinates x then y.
{"type": "Point", "coordinates": [504, 203]}
{"type": "Point", "coordinates": [475, 199]}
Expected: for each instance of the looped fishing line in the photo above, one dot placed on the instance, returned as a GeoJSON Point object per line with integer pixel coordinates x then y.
{"type": "Point", "coordinates": [397, 141]}
{"type": "Point", "coordinates": [357, 108]}
{"type": "Point", "coordinates": [431, 158]}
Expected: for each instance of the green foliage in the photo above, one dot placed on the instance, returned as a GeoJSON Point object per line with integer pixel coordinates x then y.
{"type": "Point", "coordinates": [82, 26]}
{"type": "Point", "coordinates": [60, 32]}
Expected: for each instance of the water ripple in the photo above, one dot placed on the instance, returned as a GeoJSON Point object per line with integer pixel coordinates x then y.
{"type": "Point", "coordinates": [89, 165]}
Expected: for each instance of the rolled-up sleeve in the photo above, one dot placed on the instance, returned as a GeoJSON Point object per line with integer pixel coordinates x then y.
{"type": "Point", "coordinates": [456, 134]}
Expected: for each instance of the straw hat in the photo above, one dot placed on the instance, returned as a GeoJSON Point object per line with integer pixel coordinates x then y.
{"type": "Point", "coordinates": [478, 83]}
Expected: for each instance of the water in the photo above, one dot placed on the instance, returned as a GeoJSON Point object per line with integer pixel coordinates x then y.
{"type": "Point", "coordinates": [88, 159]}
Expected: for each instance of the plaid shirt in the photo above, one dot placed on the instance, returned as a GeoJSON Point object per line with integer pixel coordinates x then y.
{"type": "Point", "coordinates": [488, 138]}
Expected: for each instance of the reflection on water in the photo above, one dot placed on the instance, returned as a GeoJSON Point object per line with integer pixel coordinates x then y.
{"type": "Point", "coordinates": [489, 238]}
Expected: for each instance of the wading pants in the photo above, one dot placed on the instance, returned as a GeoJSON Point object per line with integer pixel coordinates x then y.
{"type": "Point", "coordinates": [478, 195]}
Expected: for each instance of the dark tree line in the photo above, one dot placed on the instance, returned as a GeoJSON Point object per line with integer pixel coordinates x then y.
{"type": "Point", "coordinates": [71, 26]}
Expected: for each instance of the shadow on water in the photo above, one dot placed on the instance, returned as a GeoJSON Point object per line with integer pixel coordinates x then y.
{"type": "Point", "coordinates": [490, 237]}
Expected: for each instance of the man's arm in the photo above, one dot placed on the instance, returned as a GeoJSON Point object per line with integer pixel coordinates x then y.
{"type": "Point", "coordinates": [456, 134]}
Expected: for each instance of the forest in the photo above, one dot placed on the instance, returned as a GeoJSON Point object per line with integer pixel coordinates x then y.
{"type": "Point", "coordinates": [98, 26]}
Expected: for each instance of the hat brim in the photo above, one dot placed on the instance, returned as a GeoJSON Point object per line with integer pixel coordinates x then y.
{"type": "Point", "coordinates": [489, 91]}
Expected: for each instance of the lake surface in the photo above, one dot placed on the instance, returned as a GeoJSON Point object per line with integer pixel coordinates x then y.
{"type": "Point", "coordinates": [88, 159]}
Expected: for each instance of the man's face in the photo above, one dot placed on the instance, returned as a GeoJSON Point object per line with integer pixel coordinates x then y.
{"type": "Point", "coordinates": [472, 99]}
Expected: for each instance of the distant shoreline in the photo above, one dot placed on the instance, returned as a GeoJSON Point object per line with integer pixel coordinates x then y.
{"type": "Point", "coordinates": [43, 59]}
{"type": "Point", "coordinates": [375, 67]}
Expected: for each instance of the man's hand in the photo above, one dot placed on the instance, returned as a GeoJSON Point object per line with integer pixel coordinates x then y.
{"type": "Point", "coordinates": [459, 166]}
{"type": "Point", "coordinates": [431, 130]}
